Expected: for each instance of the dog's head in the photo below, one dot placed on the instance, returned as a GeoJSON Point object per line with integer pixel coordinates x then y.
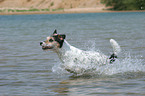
{"type": "Point", "coordinates": [53, 42]}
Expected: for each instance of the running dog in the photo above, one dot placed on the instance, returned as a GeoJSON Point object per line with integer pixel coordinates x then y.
{"type": "Point", "coordinates": [75, 56]}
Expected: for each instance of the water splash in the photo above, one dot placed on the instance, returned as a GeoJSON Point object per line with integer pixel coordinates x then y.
{"type": "Point", "coordinates": [89, 66]}
{"type": "Point", "coordinates": [128, 64]}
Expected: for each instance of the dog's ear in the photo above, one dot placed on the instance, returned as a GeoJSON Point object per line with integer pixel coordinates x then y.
{"type": "Point", "coordinates": [63, 36]}
{"type": "Point", "coordinates": [55, 32]}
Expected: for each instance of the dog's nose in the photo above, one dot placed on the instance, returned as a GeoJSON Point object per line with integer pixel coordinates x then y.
{"type": "Point", "coordinates": [41, 43]}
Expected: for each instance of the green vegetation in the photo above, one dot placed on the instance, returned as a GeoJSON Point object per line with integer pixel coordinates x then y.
{"type": "Point", "coordinates": [20, 10]}
{"type": "Point", "coordinates": [59, 9]}
{"type": "Point", "coordinates": [2, 10]}
{"type": "Point", "coordinates": [30, 10]}
{"type": "Point", "coordinates": [125, 4]}
{"type": "Point", "coordinates": [45, 10]}
{"type": "Point", "coordinates": [33, 10]}
{"type": "Point", "coordinates": [11, 10]}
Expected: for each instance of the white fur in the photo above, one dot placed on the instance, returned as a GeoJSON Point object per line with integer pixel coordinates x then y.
{"type": "Point", "coordinates": [76, 60]}
{"type": "Point", "coordinates": [115, 46]}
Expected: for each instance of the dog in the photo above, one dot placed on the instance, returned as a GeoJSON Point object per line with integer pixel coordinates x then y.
{"type": "Point", "coordinates": [76, 57]}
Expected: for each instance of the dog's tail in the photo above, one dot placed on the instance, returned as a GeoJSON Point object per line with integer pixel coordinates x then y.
{"type": "Point", "coordinates": [115, 46]}
{"type": "Point", "coordinates": [116, 50]}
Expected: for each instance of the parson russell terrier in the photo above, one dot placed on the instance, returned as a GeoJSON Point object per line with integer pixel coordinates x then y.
{"type": "Point", "coordinates": [67, 53]}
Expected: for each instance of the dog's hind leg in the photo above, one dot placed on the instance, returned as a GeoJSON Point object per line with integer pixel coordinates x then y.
{"type": "Point", "coordinates": [113, 58]}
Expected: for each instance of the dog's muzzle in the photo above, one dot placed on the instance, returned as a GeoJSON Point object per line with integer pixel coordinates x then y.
{"type": "Point", "coordinates": [46, 46]}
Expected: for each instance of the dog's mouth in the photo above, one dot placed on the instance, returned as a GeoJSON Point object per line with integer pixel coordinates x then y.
{"type": "Point", "coordinates": [47, 47]}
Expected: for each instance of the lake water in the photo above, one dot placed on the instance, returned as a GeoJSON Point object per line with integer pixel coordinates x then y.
{"type": "Point", "coordinates": [26, 70]}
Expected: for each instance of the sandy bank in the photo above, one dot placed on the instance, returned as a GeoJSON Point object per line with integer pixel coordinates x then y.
{"type": "Point", "coordinates": [66, 11]}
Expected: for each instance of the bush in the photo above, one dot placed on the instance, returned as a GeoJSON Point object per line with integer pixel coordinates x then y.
{"type": "Point", "coordinates": [59, 9]}
{"type": "Point", "coordinates": [21, 10]}
{"type": "Point", "coordinates": [44, 9]}
{"type": "Point", "coordinates": [33, 10]}
{"type": "Point", "coordinates": [11, 10]}
{"type": "Point", "coordinates": [125, 4]}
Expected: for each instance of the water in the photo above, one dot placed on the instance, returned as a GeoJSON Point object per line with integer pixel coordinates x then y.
{"type": "Point", "coordinates": [26, 70]}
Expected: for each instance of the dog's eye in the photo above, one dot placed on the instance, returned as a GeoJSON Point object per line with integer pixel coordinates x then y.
{"type": "Point", "coordinates": [50, 40]}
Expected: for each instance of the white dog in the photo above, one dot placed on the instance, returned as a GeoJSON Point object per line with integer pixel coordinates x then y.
{"type": "Point", "coordinates": [75, 60]}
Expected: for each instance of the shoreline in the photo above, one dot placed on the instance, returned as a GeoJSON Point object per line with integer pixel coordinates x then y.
{"type": "Point", "coordinates": [68, 11]}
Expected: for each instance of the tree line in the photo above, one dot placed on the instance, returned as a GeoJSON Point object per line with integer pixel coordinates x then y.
{"type": "Point", "coordinates": [125, 4]}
